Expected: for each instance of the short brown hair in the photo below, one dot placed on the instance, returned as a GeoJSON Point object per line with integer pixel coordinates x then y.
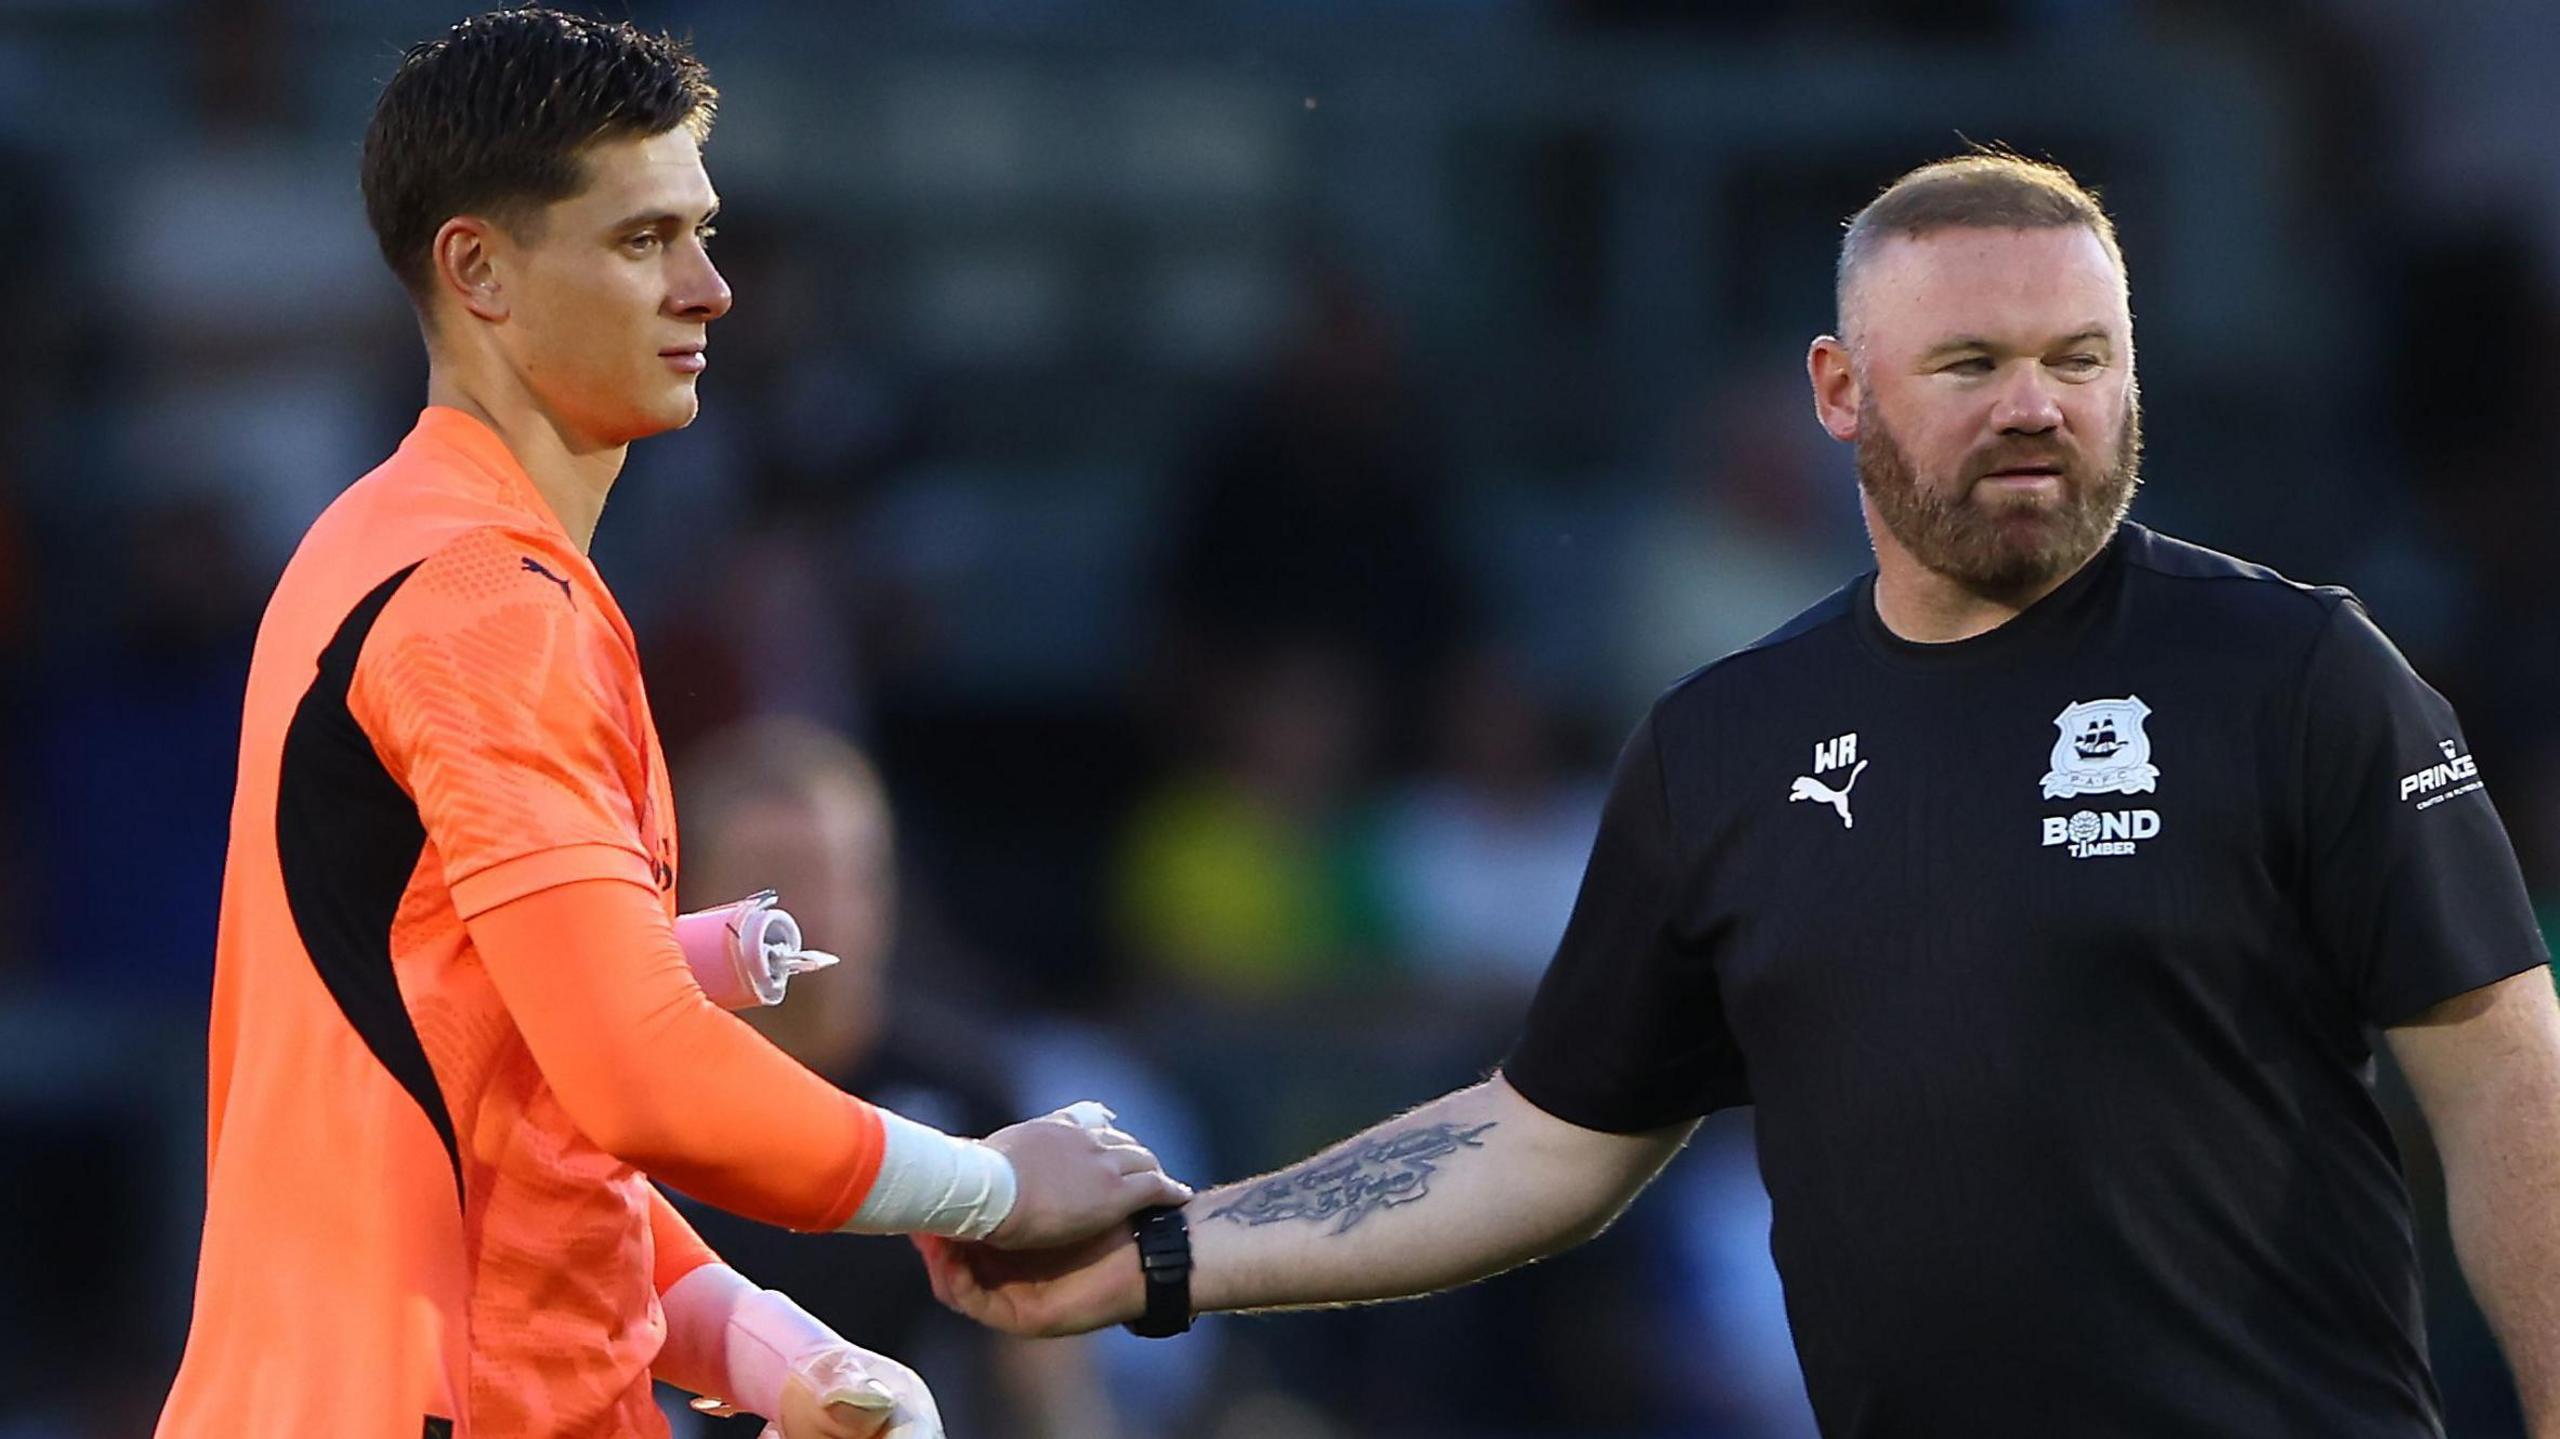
{"type": "Point", "coordinates": [492, 117]}
{"type": "Point", "coordinates": [1988, 189]}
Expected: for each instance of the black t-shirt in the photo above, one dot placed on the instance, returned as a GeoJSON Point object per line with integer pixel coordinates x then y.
{"type": "Point", "coordinates": [2051, 960]}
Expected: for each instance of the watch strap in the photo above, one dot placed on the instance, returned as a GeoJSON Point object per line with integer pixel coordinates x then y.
{"type": "Point", "coordinates": [1164, 1256]}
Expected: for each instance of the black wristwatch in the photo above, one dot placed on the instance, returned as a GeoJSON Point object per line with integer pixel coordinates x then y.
{"type": "Point", "coordinates": [1164, 1255]}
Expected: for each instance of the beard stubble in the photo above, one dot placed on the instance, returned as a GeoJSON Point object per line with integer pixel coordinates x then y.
{"type": "Point", "coordinates": [1993, 546]}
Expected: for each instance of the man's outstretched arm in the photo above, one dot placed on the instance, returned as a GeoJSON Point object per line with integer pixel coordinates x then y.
{"type": "Point", "coordinates": [1464, 1187]}
{"type": "Point", "coordinates": [659, 1077]}
{"type": "Point", "coordinates": [2486, 1069]}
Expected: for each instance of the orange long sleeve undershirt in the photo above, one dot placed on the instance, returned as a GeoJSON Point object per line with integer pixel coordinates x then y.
{"type": "Point", "coordinates": [661, 1078]}
{"type": "Point", "coordinates": [677, 1249]}
{"type": "Point", "coordinates": [687, 1360]}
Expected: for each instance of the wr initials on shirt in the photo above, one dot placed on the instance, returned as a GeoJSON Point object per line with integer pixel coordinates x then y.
{"type": "Point", "coordinates": [1835, 754]}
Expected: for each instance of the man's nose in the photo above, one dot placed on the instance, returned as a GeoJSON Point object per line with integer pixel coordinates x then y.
{"type": "Point", "coordinates": [2028, 402]}
{"type": "Point", "coordinates": [702, 294]}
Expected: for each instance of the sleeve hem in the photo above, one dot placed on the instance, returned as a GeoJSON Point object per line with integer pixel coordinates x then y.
{"type": "Point", "coordinates": [509, 880]}
{"type": "Point", "coordinates": [2405, 1008]}
{"type": "Point", "coordinates": [679, 1248]}
{"type": "Point", "coordinates": [871, 1140]}
{"type": "Point", "coordinates": [1606, 1121]}
{"type": "Point", "coordinates": [678, 1269]}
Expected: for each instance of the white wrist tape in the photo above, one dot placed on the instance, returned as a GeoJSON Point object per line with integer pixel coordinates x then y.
{"type": "Point", "coordinates": [719, 1323]}
{"type": "Point", "coordinates": [932, 1183]}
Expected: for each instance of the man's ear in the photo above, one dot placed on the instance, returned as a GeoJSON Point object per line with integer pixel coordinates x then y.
{"type": "Point", "coordinates": [1835, 387]}
{"type": "Point", "coordinates": [466, 265]}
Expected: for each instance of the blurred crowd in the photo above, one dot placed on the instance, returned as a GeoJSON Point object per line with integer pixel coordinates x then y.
{"type": "Point", "coordinates": [1187, 502]}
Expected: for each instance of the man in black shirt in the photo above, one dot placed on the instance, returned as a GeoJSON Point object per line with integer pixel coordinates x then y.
{"type": "Point", "coordinates": [2043, 890]}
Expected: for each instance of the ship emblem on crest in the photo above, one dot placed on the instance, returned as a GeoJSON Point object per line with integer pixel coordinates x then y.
{"type": "Point", "coordinates": [2102, 750]}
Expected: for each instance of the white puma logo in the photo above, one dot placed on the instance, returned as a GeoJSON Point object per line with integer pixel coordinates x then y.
{"type": "Point", "coordinates": [1809, 788]}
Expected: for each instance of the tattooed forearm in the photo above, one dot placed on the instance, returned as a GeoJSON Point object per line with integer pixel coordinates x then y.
{"type": "Point", "coordinates": [1348, 1187]}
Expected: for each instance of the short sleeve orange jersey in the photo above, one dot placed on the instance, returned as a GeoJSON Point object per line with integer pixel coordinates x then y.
{"type": "Point", "coordinates": [404, 1232]}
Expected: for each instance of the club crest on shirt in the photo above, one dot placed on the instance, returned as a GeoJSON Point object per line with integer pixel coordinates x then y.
{"type": "Point", "coordinates": [2102, 750]}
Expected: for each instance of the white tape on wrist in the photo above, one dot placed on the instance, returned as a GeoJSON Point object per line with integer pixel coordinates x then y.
{"type": "Point", "coordinates": [932, 1183]}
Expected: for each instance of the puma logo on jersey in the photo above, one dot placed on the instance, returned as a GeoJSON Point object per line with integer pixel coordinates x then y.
{"type": "Point", "coordinates": [536, 567]}
{"type": "Point", "coordinates": [1807, 787]}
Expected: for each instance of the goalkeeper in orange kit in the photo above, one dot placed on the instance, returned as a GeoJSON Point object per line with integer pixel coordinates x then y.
{"type": "Point", "coordinates": [453, 1036]}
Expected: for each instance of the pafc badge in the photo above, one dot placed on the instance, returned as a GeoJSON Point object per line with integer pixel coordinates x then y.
{"type": "Point", "coordinates": [2102, 750]}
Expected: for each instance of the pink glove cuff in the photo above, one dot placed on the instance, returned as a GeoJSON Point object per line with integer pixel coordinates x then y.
{"type": "Point", "coordinates": [744, 954]}
{"type": "Point", "coordinates": [720, 1324]}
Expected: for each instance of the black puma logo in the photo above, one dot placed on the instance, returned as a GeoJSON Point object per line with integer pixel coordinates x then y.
{"type": "Point", "coordinates": [536, 566]}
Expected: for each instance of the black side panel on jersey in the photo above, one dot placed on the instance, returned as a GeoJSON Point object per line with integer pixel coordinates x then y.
{"type": "Point", "coordinates": [347, 840]}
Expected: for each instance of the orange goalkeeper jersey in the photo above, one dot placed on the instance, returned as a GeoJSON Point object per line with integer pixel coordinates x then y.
{"type": "Point", "coordinates": [405, 1234]}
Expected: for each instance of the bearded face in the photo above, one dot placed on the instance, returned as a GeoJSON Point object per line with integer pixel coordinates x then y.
{"type": "Point", "coordinates": [1988, 387]}
{"type": "Point", "coordinates": [1997, 539]}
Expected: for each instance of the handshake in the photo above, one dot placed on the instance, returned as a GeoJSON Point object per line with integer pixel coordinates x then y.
{"type": "Point", "coordinates": [999, 1221]}
{"type": "Point", "coordinates": [1066, 1185]}
{"type": "Point", "coordinates": [1076, 1177]}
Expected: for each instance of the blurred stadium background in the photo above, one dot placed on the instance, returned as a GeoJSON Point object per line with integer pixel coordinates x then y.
{"type": "Point", "coordinates": [1238, 465]}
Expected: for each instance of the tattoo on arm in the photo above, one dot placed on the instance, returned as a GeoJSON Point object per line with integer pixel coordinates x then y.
{"type": "Point", "coordinates": [1350, 1186]}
